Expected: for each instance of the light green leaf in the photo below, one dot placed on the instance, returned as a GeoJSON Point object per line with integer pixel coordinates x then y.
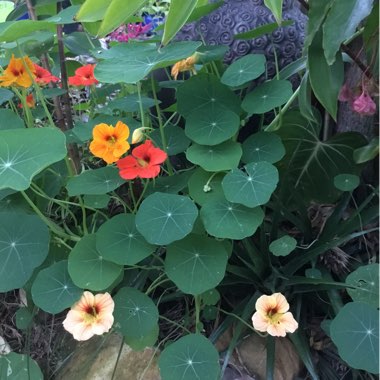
{"type": "Point", "coordinates": [346, 182]}
{"type": "Point", "coordinates": [263, 146]}
{"type": "Point", "coordinates": [66, 16]}
{"type": "Point", "coordinates": [223, 219]}
{"type": "Point", "coordinates": [19, 367]}
{"type": "Point", "coordinates": [10, 120]}
{"type": "Point", "coordinates": [355, 332]}
{"type": "Point", "coordinates": [191, 357]}
{"type": "Point", "coordinates": [267, 96]}
{"type": "Point", "coordinates": [164, 218]}
{"type": "Point", "coordinates": [283, 246]}
{"type": "Point", "coordinates": [53, 290]}
{"type": "Point", "coordinates": [26, 152]}
{"type": "Point", "coordinates": [203, 10]}
{"type": "Point", "coordinates": [261, 30]}
{"type": "Point", "coordinates": [253, 187]}
{"type": "Point", "coordinates": [95, 181]}
{"type": "Point", "coordinates": [244, 70]}
{"type": "Point", "coordinates": [24, 245]}
{"type": "Point", "coordinates": [117, 13]}
{"type": "Point", "coordinates": [13, 30]}
{"type": "Point", "coordinates": [276, 7]}
{"type": "Point", "coordinates": [333, 75]}
{"type": "Point", "coordinates": [92, 10]}
{"type": "Point", "coordinates": [205, 90]}
{"type": "Point", "coordinates": [179, 12]}
{"type": "Point", "coordinates": [341, 23]}
{"type": "Point", "coordinates": [130, 63]}
{"type": "Point", "coordinates": [136, 316]}
{"type": "Point", "coordinates": [225, 156]}
{"type": "Point", "coordinates": [367, 152]}
{"type": "Point", "coordinates": [205, 185]}
{"type": "Point", "coordinates": [196, 265]}
{"type": "Point", "coordinates": [88, 269]}
{"type": "Point", "coordinates": [211, 125]}
{"type": "Point", "coordinates": [119, 241]}
{"type": "Point", "coordinates": [366, 280]}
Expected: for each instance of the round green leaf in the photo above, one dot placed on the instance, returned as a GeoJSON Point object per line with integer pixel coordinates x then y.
{"type": "Point", "coordinates": [135, 315]}
{"type": "Point", "coordinates": [366, 280]}
{"type": "Point", "coordinates": [215, 158]}
{"type": "Point", "coordinates": [211, 297]}
{"type": "Point", "coordinates": [88, 269]}
{"type": "Point", "coordinates": [223, 219]}
{"type": "Point", "coordinates": [252, 188]}
{"type": "Point", "coordinates": [53, 290]}
{"type": "Point", "coordinates": [205, 185]}
{"type": "Point", "coordinates": [164, 218]}
{"type": "Point", "coordinates": [171, 184]}
{"type": "Point", "coordinates": [5, 96]}
{"type": "Point", "coordinates": [26, 152]}
{"type": "Point", "coordinates": [24, 318]}
{"type": "Point", "coordinates": [205, 90]}
{"type": "Point", "coordinates": [96, 201]}
{"type": "Point", "coordinates": [176, 140]}
{"type": "Point", "coordinates": [263, 146]}
{"type": "Point", "coordinates": [313, 273]}
{"type": "Point", "coordinates": [119, 241]}
{"type": "Point", "coordinates": [95, 181]}
{"type": "Point", "coordinates": [24, 245]}
{"type": "Point", "coordinates": [267, 96]}
{"type": "Point", "coordinates": [191, 357]}
{"type": "Point", "coordinates": [283, 246]}
{"type": "Point", "coordinates": [10, 120]}
{"type": "Point", "coordinates": [346, 182]}
{"type": "Point", "coordinates": [244, 70]}
{"type": "Point", "coordinates": [196, 265]}
{"type": "Point", "coordinates": [19, 367]}
{"type": "Point", "coordinates": [355, 332]}
{"type": "Point", "coordinates": [211, 125]}
{"type": "Point", "coordinates": [210, 312]}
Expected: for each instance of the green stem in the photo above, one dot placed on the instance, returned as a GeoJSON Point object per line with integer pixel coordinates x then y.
{"type": "Point", "coordinates": [197, 300]}
{"type": "Point", "coordinates": [55, 228]}
{"type": "Point", "coordinates": [130, 184]}
{"type": "Point", "coordinates": [161, 126]}
{"type": "Point", "coordinates": [271, 344]}
{"type": "Point", "coordinates": [140, 105]}
{"type": "Point", "coordinates": [84, 215]}
{"type": "Point", "coordinates": [273, 125]}
{"type": "Point", "coordinates": [175, 324]}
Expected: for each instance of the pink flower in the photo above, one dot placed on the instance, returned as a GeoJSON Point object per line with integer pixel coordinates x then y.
{"type": "Point", "coordinates": [272, 315]}
{"type": "Point", "coordinates": [345, 94]}
{"type": "Point", "coordinates": [363, 104]}
{"type": "Point", "coordinates": [91, 315]}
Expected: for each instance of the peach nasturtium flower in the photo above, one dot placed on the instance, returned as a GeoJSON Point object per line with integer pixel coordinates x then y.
{"type": "Point", "coordinates": [19, 72]}
{"type": "Point", "coordinates": [110, 143]}
{"type": "Point", "coordinates": [91, 315]}
{"type": "Point", "coordinates": [272, 315]}
{"type": "Point", "coordinates": [184, 65]}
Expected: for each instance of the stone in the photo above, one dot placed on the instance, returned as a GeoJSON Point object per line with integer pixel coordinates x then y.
{"type": "Point", "coordinates": [96, 360]}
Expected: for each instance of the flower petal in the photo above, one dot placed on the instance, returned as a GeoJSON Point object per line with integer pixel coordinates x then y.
{"type": "Point", "coordinates": [260, 323]}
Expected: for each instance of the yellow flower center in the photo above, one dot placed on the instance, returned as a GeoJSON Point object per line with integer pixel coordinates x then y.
{"type": "Point", "coordinates": [90, 315]}
{"type": "Point", "coordinates": [142, 162]}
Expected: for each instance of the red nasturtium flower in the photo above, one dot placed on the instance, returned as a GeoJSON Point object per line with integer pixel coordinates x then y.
{"type": "Point", "coordinates": [84, 76]}
{"type": "Point", "coordinates": [30, 102]}
{"type": "Point", "coordinates": [18, 73]}
{"type": "Point", "coordinates": [91, 315]}
{"type": "Point", "coordinates": [144, 162]}
{"type": "Point", "coordinates": [109, 143]}
{"type": "Point", "coordinates": [272, 315]}
{"type": "Point", "coordinates": [43, 76]}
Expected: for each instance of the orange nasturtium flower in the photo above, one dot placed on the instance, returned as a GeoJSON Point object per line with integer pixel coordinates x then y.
{"type": "Point", "coordinates": [30, 102]}
{"type": "Point", "coordinates": [17, 73]}
{"type": "Point", "coordinates": [109, 143]}
{"type": "Point", "coordinates": [84, 76]}
{"type": "Point", "coordinates": [184, 65]}
{"type": "Point", "coordinates": [272, 315]}
{"type": "Point", "coordinates": [91, 315]}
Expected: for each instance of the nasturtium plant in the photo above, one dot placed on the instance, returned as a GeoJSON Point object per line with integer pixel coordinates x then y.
{"type": "Point", "coordinates": [19, 366]}
{"type": "Point", "coordinates": [196, 265]}
{"type": "Point", "coordinates": [283, 246]}
{"type": "Point", "coordinates": [164, 218]}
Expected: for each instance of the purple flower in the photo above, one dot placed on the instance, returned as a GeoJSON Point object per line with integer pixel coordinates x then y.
{"type": "Point", "coordinates": [363, 104]}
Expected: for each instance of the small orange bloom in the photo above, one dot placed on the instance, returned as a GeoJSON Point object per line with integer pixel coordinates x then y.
{"type": "Point", "coordinates": [84, 76]}
{"type": "Point", "coordinates": [272, 316]}
{"type": "Point", "coordinates": [184, 65]}
{"type": "Point", "coordinates": [17, 73]}
{"type": "Point", "coordinates": [109, 143]}
{"type": "Point", "coordinates": [91, 315]}
{"type": "Point", "coordinates": [43, 76]}
{"type": "Point", "coordinates": [30, 102]}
